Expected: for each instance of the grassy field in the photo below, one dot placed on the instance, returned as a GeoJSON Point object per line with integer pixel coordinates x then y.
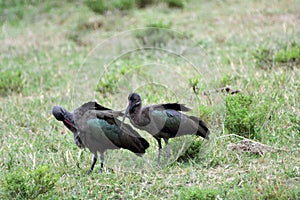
{"type": "Point", "coordinates": [64, 53]}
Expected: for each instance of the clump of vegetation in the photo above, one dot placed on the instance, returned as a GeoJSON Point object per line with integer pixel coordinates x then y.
{"type": "Point", "coordinates": [170, 3]}
{"type": "Point", "coordinates": [13, 10]}
{"type": "Point", "coordinates": [123, 4]}
{"type": "Point", "coordinates": [243, 116]}
{"type": "Point", "coordinates": [276, 190]}
{"type": "Point", "coordinates": [198, 193]}
{"type": "Point", "coordinates": [175, 3]}
{"type": "Point", "coordinates": [205, 113]}
{"type": "Point", "coordinates": [97, 6]}
{"type": "Point", "coordinates": [144, 3]}
{"type": "Point", "coordinates": [193, 150]}
{"type": "Point", "coordinates": [195, 83]}
{"type": "Point", "coordinates": [156, 34]}
{"type": "Point", "coordinates": [11, 81]}
{"type": "Point", "coordinates": [286, 55]}
{"type": "Point", "coordinates": [107, 83]}
{"type": "Point", "coordinates": [100, 6]}
{"type": "Point", "coordinates": [21, 184]}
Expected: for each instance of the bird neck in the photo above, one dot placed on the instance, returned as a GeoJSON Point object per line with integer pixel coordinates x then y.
{"type": "Point", "coordinates": [135, 113]}
{"type": "Point", "coordinates": [137, 117]}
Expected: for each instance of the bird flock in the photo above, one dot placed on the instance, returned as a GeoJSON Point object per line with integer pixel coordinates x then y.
{"type": "Point", "coordinates": [98, 128]}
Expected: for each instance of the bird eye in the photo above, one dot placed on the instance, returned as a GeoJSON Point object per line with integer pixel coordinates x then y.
{"type": "Point", "coordinates": [132, 98]}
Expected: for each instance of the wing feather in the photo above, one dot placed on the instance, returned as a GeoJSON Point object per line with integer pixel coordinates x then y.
{"type": "Point", "coordinates": [171, 106]}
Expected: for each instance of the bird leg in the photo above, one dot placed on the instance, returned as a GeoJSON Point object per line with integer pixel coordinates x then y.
{"type": "Point", "coordinates": [93, 163]}
{"type": "Point", "coordinates": [101, 161]}
{"type": "Point", "coordinates": [159, 149]}
{"type": "Point", "coordinates": [167, 148]}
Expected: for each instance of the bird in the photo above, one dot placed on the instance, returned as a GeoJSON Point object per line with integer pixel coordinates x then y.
{"type": "Point", "coordinates": [163, 121]}
{"type": "Point", "coordinates": [98, 129]}
{"type": "Point", "coordinates": [61, 114]}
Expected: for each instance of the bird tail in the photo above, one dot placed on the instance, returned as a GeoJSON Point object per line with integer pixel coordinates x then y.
{"type": "Point", "coordinates": [133, 141]}
{"type": "Point", "coordinates": [203, 130]}
{"type": "Point", "coordinates": [143, 146]}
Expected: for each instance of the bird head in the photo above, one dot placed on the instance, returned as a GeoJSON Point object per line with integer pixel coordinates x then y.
{"type": "Point", "coordinates": [66, 117]}
{"type": "Point", "coordinates": [134, 101]}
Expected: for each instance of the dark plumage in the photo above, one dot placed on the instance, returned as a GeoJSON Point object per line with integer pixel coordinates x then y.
{"type": "Point", "coordinates": [163, 121]}
{"type": "Point", "coordinates": [98, 129]}
{"type": "Point", "coordinates": [61, 114]}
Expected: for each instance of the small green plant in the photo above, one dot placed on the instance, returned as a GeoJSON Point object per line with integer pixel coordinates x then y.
{"type": "Point", "coordinates": [243, 117]}
{"type": "Point", "coordinates": [194, 83]}
{"type": "Point", "coordinates": [159, 24]}
{"type": "Point", "coordinates": [107, 83]}
{"type": "Point", "coordinates": [288, 54]}
{"type": "Point", "coordinates": [97, 6]}
{"type": "Point", "coordinates": [21, 184]}
{"type": "Point", "coordinates": [11, 81]}
{"type": "Point", "coordinates": [123, 4]}
{"type": "Point", "coordinates": [16, 185]}
{"type": "Point", "coordinates": [143, 3]}
{"type": "Point", "coordinates": [100, 6]}
{"type": "Point", "coordinates": [227, 80]}
{"type": "Point", "coordinates": [195, 193]}
{"type": "Point", "coordinates": [175, 3]}
{"type": "Point", "coordinates": [205, 113]}
{"type": "Point", "coordinates": [193, 151]}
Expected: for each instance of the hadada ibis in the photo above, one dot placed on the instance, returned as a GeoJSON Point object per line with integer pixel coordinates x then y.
{"type": "Point", "coordinates": [163, 121]}
{"type": "Point", "coordinates": [99, 129]}
{"type": "Point", "coordinates": [61, 114]}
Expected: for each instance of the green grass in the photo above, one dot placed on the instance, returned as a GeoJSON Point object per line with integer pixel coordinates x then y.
{"type": "Point", "coordinates": [198, 193]}
{"type": "Point", "coordinates": [175, 3]}
{"type": "Point", "coordinates": [286, 55]}
{"type": "Point", "coordinates": [244, 117]}
{"type": "Point", "coordinates": [251, 46]}
{"type": "Point", "coordinates": [102, 6]}
{"type": "Point", "coordinates": [37, 182]}
{"type": "Point", "coordinates": [11, 81]}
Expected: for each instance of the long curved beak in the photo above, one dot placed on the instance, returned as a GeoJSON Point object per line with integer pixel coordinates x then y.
{"type": "Point", "coordinates": [125, 115]}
